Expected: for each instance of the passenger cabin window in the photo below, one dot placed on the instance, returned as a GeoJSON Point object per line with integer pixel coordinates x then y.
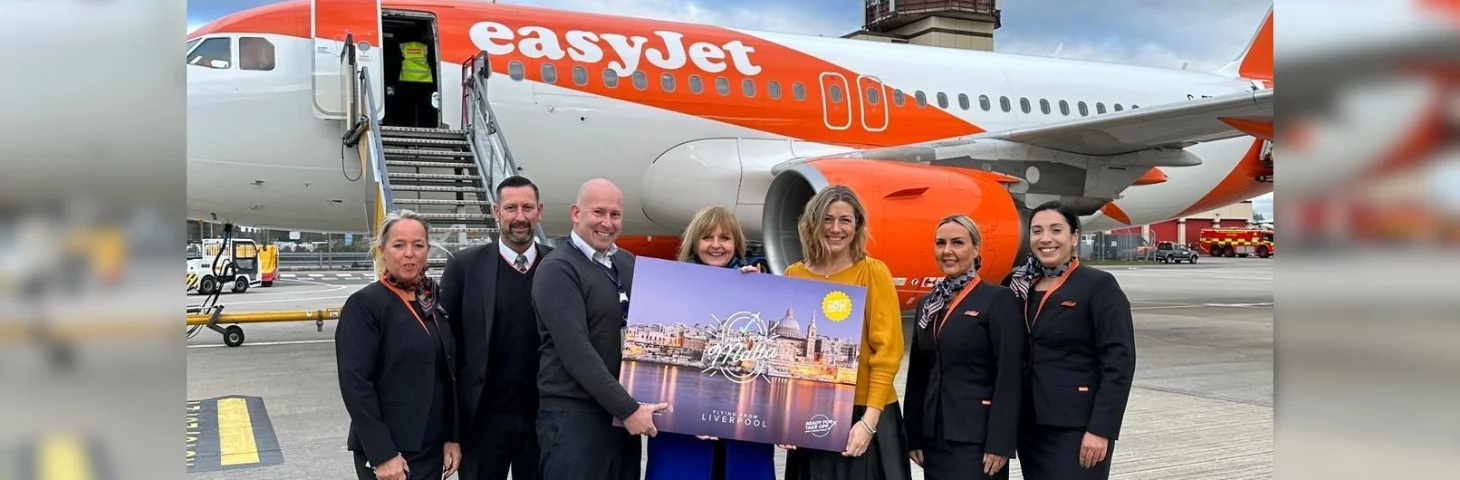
{"type": "Point", "coordinates": [549, 73]}
{"type": "Point", "coordinates": [1064, 108]}
{"type": "Point", "coordinates": [1100, 107]}
{"type": "Point", "coordinates": [799, 91]}
{"type": "Point", "coordinates": [610, 78]}
{"type": "Point", "coordinates": [722, 86]}
{"type": "Point", "coordinates": [874, 95]}
{"type": "Point", "coordinates": [1044, 106]}
{"type": "Point", "coordinates": [898, 97]}
{"type": "Point", "coordinates": [580, 75]}
{"type": "Point", "coordinates": [666, 82]}
{"type": "Point", "coordinates": [696, 85]}
{"type": "Point", "coordinates": [516, 71]}
{"type": "Point", "coordinates": [1024, 105]}
{"type": "Point", "coordinates": [942, 100]}
{"type": "Point", "coordinates": [641, 80]}
{"type": "Point", "coordinates": [255, 53]}
{"type": "Point", "coordinates": [1084, 109]}
{"type": "Point", "coordinates": [1005, 104]}
{"type": "Point", "coordinates": [774, 89]}
{"type": "Point", "coordinates": [922, 98]}
{"type": "Point", "coordinates": [212, 53]}
{"type": "Point", "coordinates": [747, 87]}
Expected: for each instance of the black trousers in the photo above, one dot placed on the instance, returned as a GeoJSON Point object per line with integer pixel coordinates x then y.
{"type": "Point", "coordinates": [427, 465]}
{"type": "Point", "coordinates": [586, 446]}
{"type": "Point", "coordinates": [947, 460]}
{"type": "Point", "coordinates": [498, 443]}
{"type": "Point", "coordinates": [1053, 453]}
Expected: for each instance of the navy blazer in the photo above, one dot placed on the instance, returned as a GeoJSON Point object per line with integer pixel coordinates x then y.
{"type": "Point", "coordinates": [964, 375]}
{"type": "Point", "coordinates": [1082, 352]}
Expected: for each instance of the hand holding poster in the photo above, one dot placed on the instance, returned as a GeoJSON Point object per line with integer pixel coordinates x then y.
{"type": "Point", "coordinates": [752, 357]}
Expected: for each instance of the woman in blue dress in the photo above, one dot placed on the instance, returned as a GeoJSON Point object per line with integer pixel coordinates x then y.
{"type": "Point", "coordinates": [713, 238]}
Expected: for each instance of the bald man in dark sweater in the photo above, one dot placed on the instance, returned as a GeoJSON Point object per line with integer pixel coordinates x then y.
{"type": "Point", "coordinates": [581, 294]}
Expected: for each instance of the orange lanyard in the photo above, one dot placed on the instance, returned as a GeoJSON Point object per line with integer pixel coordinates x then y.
{"type": "Point", "coordinates": [403, 298]}
{"type": "Point", "coordinates": [1029, 323]}
{"type": "Point", "coordinates": [966, 288]}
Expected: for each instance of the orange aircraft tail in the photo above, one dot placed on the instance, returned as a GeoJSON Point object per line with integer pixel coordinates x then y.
{"type": "Point", "coordinates": [1255, 63]}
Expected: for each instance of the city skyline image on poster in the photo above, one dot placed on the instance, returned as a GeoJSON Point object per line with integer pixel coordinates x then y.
{"type": "Point", "coordinates": [744, 356]}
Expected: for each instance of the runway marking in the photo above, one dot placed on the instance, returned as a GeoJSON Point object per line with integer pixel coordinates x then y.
{"type": "Point", "coordinates": [277, 300]}
{"type": "Point", "coordinates": [230, 432]}
{"type": "Point", "coordinates": [265, 344]}
{"type": "Point", "coordinates": [64, 456]}
{"type": "Point", "coordinates": [316, 275]}
{"type": "Point", "coordinates": [235, 433]}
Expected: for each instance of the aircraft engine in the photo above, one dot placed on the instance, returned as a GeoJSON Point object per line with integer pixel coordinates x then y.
{"type": "Point", "coordinates": [904, 203]}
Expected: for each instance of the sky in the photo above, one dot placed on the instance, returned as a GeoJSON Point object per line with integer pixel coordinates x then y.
{"type": "Point", "coordinates": [1202, 35]}
{"type": "Point", "coordinates": [680, 298]}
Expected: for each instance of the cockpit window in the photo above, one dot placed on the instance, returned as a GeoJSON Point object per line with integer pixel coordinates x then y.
{"type": "Point", "coordinates": [191, 43]}
{"type": "Point", "coordinates": [255, 53]}
{"type": "Point", "coordinates": [212, 53]}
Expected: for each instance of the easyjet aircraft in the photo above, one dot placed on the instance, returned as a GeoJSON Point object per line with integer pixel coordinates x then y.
{"type": "Point", "coordinates": [682, 116]}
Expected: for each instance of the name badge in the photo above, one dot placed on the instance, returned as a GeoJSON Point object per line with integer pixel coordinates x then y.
{"type": "Point", "coordinates": [623, 297]}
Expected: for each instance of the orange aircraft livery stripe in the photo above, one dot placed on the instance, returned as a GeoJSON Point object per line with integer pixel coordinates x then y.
{"type": "Point", "coordinates": [718, 57]}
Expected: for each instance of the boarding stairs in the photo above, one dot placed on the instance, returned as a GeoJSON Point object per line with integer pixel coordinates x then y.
{"type": "Point", "coordinates": [448, 176]}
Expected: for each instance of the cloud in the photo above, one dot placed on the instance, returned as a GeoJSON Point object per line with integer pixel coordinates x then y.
{"type": "Point", "coordinates": [1206, 35]}
{"type": "Point", "coordinates": [806, 19]}
{"type": "Point", "coordinates": [1263, 205]}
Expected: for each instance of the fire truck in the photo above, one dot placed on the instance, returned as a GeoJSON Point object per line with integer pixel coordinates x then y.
{"type": "Point", "coordinates": [1236, 242]}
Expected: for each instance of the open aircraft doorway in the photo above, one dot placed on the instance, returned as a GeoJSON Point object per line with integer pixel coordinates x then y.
{"type": "Point", "coordinates": [412, 76]}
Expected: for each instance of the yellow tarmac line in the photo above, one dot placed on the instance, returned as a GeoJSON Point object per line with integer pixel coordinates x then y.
{"type": "Point", "coordinates": [63, 457]}
{"type": "Point", "coordinates": [235, 433]}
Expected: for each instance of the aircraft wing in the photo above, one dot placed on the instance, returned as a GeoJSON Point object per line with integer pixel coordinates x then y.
{"type": "Point", "coordinates": [1176, 125]}
{"type": "Point", "coordinates": [1164, 127]}
{"type": "Point", "coordinates": [1089, 161]}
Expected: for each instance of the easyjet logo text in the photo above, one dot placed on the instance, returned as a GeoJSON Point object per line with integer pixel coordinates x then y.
{"type": "Point", "coordinates": [667, 50]}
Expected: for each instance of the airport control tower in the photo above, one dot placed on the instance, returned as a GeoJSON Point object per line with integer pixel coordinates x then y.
{"type": "Point", "coordinates": [967, 24]}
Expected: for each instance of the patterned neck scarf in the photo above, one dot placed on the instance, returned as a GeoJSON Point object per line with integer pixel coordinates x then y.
{"type": "Point", "coordinates": [424, 287]}
{"type": "Point", "coordinates": [1032, 271]}
{"type": "Point", "coordinates": [942, 293]}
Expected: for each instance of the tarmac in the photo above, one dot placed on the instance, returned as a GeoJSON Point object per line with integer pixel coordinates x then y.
{"type": "Point", "coordinates": [1201, 407]}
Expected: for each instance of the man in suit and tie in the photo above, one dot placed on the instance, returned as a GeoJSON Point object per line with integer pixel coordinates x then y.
{"type": "Point", "coordinates": [582, 293]}
{"type": "Point", "coordinates": [487, 293]}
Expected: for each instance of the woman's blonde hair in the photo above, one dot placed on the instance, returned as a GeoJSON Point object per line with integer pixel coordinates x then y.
{"type": "Point", "coordinates": [813, 245]}
{"type": "Point", "coordinates": [703, 224]}
{"type": "Point", "coordinates": [973, 235]}
{"type": "Point", "coordinates": [377, 244]}
{"type": "Point", "coordinates": [967, 224]}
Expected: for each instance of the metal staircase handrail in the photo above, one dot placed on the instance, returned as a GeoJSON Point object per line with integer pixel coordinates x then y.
{"type": "Point", "coordinates": [377, 154]}
{"type": "Point", "coordinates": [479, 107]}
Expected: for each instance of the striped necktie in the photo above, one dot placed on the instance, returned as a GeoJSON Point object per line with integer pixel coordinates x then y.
{"type": "Point", "coordinates": [521, 263]}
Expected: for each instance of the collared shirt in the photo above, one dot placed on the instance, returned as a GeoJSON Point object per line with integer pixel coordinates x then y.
{"type": "Point", "coordinates": [606, 259]}
{"type": "Point", "coordinates": [511, 256]}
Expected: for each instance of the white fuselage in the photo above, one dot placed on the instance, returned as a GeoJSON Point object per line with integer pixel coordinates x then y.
{"type": "Point", "coordinates": [258, 156]}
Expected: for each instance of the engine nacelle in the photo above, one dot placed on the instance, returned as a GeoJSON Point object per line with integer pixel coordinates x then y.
{"type": "Point", "coordinates": [904, 202]}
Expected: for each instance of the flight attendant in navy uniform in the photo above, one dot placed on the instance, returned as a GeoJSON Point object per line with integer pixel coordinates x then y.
{"type": "Point", "coordinates": [1082, 354]}
{"type": "Point", "coordinates": [966, 368]}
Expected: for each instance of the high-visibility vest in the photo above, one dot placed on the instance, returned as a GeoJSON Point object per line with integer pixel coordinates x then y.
{"type": "Point", "coordinates": [414, 68]}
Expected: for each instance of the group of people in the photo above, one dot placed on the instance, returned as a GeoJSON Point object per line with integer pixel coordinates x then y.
{"type": "Point", "coordinates": [516, 365]}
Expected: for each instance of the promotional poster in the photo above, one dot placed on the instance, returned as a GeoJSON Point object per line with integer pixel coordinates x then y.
{"type": "Point", "coordinates": [745, 356]}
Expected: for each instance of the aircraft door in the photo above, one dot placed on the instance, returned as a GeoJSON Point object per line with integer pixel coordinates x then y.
{"type": "Point", "coordinates": [331, 22]}
{"type": "Point", "coordinates": [835, 109]}
{"type": "Point", "coordinates": [874, 103]}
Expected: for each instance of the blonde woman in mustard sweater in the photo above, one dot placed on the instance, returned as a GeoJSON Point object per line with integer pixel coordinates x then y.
{"type": "Point", "coordinates": [833, 232]}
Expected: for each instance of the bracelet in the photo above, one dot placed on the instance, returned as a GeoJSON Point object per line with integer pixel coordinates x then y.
{"type": "Point", "coordinates": [869, 428]}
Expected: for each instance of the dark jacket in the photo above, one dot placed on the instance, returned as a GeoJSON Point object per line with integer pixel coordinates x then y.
{"type": "Point", "coordinates": [468, 297]}
{"type": "Point", "coordinates": [1082, 353]}
{"type": "Point", "coordinates": [964, 375]}
{"type": "Point", "coordinates": [388, 369]}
